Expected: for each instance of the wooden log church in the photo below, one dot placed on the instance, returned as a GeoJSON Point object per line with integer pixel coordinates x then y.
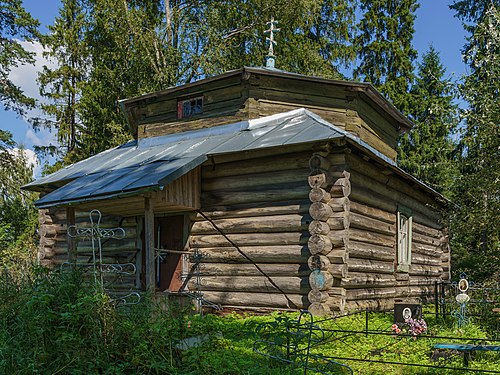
{"type": "Point", "coordinates": [257, 189]}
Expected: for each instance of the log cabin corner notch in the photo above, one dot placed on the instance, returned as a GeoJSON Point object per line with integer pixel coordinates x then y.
{"type": "Point", "coordinates": [309, 194]}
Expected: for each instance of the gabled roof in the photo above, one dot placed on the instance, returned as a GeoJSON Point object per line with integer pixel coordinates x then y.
{"type": "Point", "coordinates": [152, 163]}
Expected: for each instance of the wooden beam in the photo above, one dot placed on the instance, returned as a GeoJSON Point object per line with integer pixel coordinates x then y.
{"type": "Point", "coordinates": [71, 220]}
{"type": "Point", "coordinates": [149, 243]}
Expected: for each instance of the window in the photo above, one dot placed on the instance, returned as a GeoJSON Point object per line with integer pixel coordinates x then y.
{"type": "Point", "coordinates": [190, 107]}
{"type": "Point", "coordinates": [404, 218]}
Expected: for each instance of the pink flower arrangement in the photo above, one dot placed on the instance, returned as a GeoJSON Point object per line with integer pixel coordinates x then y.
{"type": "Point", "coordinates": [411, 326]}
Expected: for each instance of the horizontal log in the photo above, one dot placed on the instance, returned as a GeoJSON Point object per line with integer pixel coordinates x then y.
{"type": "Point", "coordinates": [341, 188]}
{"type": "Point", "coordinates": [338, 256]}
{"type": "Point", "coordinates": [291, 161]}
{"type": "Point", "coordinates": [431, 251]}
{"type": "Point", "coordinates": [319, 162]}
{"type": "Point", "coordinates": [365, 236]}
{"type": "Point", "coordinates": [389, 194]}
{"type": "Point", "coordinates": [287, 284]}
{"type": "Point", "coordinates": [320, 280]}
{"type": "Point", "coordinates": [374, 225]}
{"type": "Point", "coordinates": [320, 180]}
{"type": "Point", "coordinates": [338, 271]}
{"type": "Point", "coordinates": [319, 195]}
{"type": "Point", "coordinates": [259, 254]}
{"type": "Point", "coordinates": [246, 299]}
{"type": "Point", "coordinates": [319, 227]}
{"type": "Point", "coordinates": [220, 197]}
{"type": "Point", "coordinates": [340, 204]}
{"type": "Point", "coordinates": [320, 211]}
{"type": "Point", "coordinates": [254, 210]}
{"type": "Point", "coordinates": [249, 239]}
{"type": "Point", "coordinates": [259, 224]}
{"type": "Point", "coordinates": [339, 221]}
{"type": "Point", "coordinates": [375, 213]}
{"type": "Point", "coordinates": [370, 293]}
{"type": "Point", "coordinates": [318, 262]}
{"type": "Point", "coordinates": [425, 260]}
{"type": "Point", "coordinates": [319, 244]}
{"type": "Point", "coordinates": [339, 238]}
{"type": "Point", "coordinates": [225, 269]}
{"type": "Point", "coordinates": [370, 304]}
{"type": "Point", "coordinates": [426, 240]}
{"type": "Point", "coordinates": [423, 270]}
{"type": "Point", "coordinates": [390, 179]}
{"type": "Point", "coordinates": [360, 279]}
{"type": "Point", "coordinates": [427, 231]}
{"type": "Point", "coordinates": [368, 265]}
{"type": "Point", "coordinates": [248, 181]}
{"type": "Point", "coordinates": [369, 251]}
{"type": "Point", "coordinates": [317, 296]}
{"type": "Point", "coordinates": [320, 309]}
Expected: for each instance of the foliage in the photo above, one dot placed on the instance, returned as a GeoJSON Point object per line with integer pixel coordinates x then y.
{"type": "Point", "coordinates": [386, 54]}
{"type": "Point", "coordinates": [62, 85]}
{"type": "Point", "coordinates": [15, 24]}
{"type": "Point", "coordinates": [17, 215]}
{"type": "Point", "coordinates": [476, 227]}
{"type": "Point", "coordinates": [54, 322]}
{"type": "Point", "coordinates": [427, 150]}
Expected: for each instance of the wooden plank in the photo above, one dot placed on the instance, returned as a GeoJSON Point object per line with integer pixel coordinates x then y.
{"type": "Point", "coordinates": [71, 220]}
{"type": "Point", "coordinates": [149, 244]}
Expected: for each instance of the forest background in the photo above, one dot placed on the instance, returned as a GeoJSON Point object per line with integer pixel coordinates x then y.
{"type": "Point", "coordinates": [102, 51]}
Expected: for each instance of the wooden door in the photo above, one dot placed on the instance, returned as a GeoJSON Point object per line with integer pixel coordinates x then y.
{"type": "Point", "coordinates": [171, 236]}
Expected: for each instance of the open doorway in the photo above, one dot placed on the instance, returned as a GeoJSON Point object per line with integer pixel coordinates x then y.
{"type": "Point", "coordinates": [169, 236]}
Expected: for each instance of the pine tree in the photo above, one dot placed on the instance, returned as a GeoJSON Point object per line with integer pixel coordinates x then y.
{"type": "Point", "coordinates": [315, 37]}
{"type": "Point", "coordinates": [385, 47]}
{"type": "Point", "coordinates": [476, 224]}
{"type": "Point", "coordinates": [15, 24]}
{"type": "Point", "coordinates": [62, 85]}
{"type": "Point", "coordinates": [427, 150]}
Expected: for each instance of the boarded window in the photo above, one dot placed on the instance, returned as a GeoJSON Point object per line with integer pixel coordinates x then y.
{"type": "Point", "coordinates": [190, 107]}
{"type": "Point", "coordinates": [404, 218]}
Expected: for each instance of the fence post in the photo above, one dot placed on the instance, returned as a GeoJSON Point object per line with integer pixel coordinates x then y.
{"type": "Point", "coordinates": [366, 322]}
{"type": "Point", "coordinates": [436, 299]}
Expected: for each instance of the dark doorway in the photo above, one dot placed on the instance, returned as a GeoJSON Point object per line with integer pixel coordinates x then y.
{"type": "Point", "coordinates": [169, 235]}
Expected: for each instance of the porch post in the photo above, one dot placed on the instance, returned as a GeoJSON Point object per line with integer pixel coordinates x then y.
{"type": "Point", "coordinates": [71, 220]}
{"type": "Point", "coordinates": [149, 243]}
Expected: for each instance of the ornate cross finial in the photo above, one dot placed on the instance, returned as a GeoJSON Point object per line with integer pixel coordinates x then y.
{"type": "Point", "coordinates": [272, 29]}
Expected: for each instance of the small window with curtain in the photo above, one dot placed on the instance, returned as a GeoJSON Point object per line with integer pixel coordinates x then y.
{"type": "Point", "coordinates": [404, 217]}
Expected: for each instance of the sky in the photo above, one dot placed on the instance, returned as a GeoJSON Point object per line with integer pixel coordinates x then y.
{"type": "Point", "coordinates": [434, 25]}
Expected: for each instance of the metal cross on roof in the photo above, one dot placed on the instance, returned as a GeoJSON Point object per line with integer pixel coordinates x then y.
{"type": "Point", "coordinates": [270, 58]}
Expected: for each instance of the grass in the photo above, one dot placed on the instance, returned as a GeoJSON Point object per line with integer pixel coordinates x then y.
{"type": "Point", "coordinates": [51, 323]}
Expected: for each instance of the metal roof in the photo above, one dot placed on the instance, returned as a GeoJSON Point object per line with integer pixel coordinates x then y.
{"type": "Point", "coordinates": [152, 163]}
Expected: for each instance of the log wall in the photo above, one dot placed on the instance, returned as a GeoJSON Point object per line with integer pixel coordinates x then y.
{"type": "Point", "coordinates": [372, 279]}
{"type": "Point", "coordinates": [262, 205]}
{"type": "Point", "coordinates": [53, 248]}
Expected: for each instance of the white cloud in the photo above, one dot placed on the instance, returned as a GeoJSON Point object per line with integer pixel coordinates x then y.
{"type": "Point", "coordinates": [25, 76]}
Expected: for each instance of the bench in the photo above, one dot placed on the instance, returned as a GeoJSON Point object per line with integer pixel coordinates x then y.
{"type": "Point", "coordinates": [467, 349]}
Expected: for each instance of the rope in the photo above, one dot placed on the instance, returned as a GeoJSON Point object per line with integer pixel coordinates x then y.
{"type": "Point", "coordinates": [290, 302]}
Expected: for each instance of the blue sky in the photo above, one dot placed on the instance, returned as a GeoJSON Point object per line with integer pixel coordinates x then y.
{"type": "Point", "coordinates": [434, 25]}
